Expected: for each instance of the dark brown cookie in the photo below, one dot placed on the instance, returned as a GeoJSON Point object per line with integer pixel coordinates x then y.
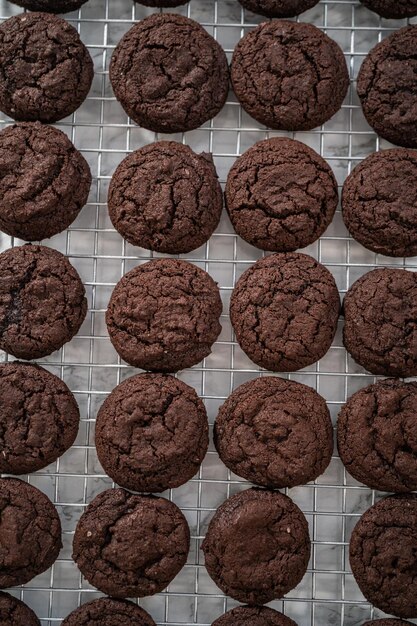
{"type": "Point", "coordinates": [387, 87]}
{"type": "Point", "coordinates": [253, 616]}
{"type": "Point", "coordinates": [379, 202]}
{"type": "Point", "coordinates": [109, 612]}
{"type": "Point", "coordinates": [257, 546]}
{"type": "Point", "coordinates": [14, 612]}
{"type": "Point", "coordinates": [386, 622]}
{"type": "Point", "coordinates": [380, 329]}
{"type": "Point", "coordinates": [376, 436]}
{"type": "Point", "coordinates": [169, 74]}
{"type": "Point", "coordinates": [30, 532]}
{"type": "Point", "coordinates": [165, 197]}
{"type": "Point", "coordinates": [44, 181]}
{"type": "Point", "coordinates": [284, 310]}
{"type": "Point", "coordinates": [289, 75]}
{"type": "Point", "coordinates": [281, 195]}
{"type": "Point", "coordinates": [274, 432]}
{"type": "Point", "coordinates": [164, 315]}
{"type": "Point", "coordinates": [50, 6]}
{"type": "Point", "coordinates": [162, 3]}
{"type": "Point", "coordinates": [383, 550]}
{"type": "Point", "coordinates": [130, 545]}
{"type": "Point", "coordinates": [45, 69]}
{"type": "Point", "coordinates": [152, 433]}
{"type": "Point", "coordinates": [39, 418]}
{"type": "Point", "coordinates": [278, 8]}
{"type": "Point", "coordinates": [393, 9]}
{"type": "Point", "coordinates": [42, 301]}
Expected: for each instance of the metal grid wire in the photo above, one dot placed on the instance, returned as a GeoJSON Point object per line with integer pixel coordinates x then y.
{"type": "Point", "coordinates": [328, 594]}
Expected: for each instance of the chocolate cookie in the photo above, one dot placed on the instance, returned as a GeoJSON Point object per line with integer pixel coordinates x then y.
{"type": "Point", "coordinates": [278, 8]}
{"type": "Point", "coordinates": [393, 9]}
{"type": "Point", "coordinates": [274, 432]}
{"type": "Point", "coordinates": [44, 181]}
{"type": "Point", "coordinates": [383, 550]}
{"type": "Point", "coordinates": [152, 433]}
{"type": "Point", "coordinates": [45, 69]}
{"type": "Point", "coordinates": [284, 310]}
{"type": "Point", "coordinates": [376, 436]}
{"type": "Point", "coordinates": [164, 315]}
{"type": "Point", "coordinates": [165, 197]}
{"type": "Point", "coordinates": [380, 329]}
{"type": "Point", "coordinates": [50, 6]}
{"type": "Point", "coordinates": [379, 202]}
{"type": "Point", "coordinates": [289, 76]}
{"type": "Point", "coordinates": [386, 622]}
{"type": "Point", "coordinates": [30, 532]}
{"type": "Point", "coordinates": [257, 546]}
{"type": "Point", "coordinates": [162, 3]}
{"type": "Point", "coordinates": [387, 87]}
{"type": "Point", "coordinates": [14, 612]}
{"type": "Point", "coordinates": [42, 301]}
{"type": "Point", "coordinates": [253, 616]}
{"type": "Point", "coordinates": [281, 195]}
{"type": "Point", "coordinates": [109, 612]}
{"type": "Point", "coordinates": [129, 545]}
{"type": "Point", "coordinates": [169, 74]}
{"type": "Point", "coordinates": [39, 418]}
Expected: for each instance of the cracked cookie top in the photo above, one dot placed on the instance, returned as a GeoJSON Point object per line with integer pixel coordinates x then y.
{"type": "Point", "coordinates": [169, 74]}
{"type": "Point", "coordinates": [130, 545]}
{"type": "Point", "coordinates": [255, 616]}
{"type": "Point", "coordinates": [50, 6]}
{"type": "Point", "coordinates": [151, 433]}
{"type": "Point", "coordinates": [14, 612]}
{"type": "Point", "coordinates": [392, 9]}
{"type": "Point", "coordinates": [45, 69]}
{"type": "Point", "coordinates": [42, 301]}
{"type": "Point", "coordinates": [278, 8]}
{"type": "Point", "coordinates": [284, 310]}
{"type": "Point", "coordinates": [109, 612]}
{"type": "Point", "coordinates": [165, 197]}
{"type": "Point", "coordinates": [289, 76]}
{"type": "Point", "coordinates": [281, 195]}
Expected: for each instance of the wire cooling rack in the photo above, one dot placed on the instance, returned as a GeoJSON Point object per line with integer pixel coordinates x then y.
{"type": "Point", "coordinates": [328, 594]}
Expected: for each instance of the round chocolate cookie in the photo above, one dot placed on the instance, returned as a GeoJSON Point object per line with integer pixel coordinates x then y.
{"type": "Point", "coordinates": [14, 612]}
{"type": "Point", "coordinates": [281, 195]}
{"type": "Point", "coordinates": [45, 69]}
{"type": "Point", "coordinates": [257, 546]}
{"type": "Point", "coordinates": [278, 8]}
{"type": "Point", "coordinates": [387, 87]}
{"type": "Point", "coordinates": [289, 75]}
{"type": "Point", "coordinates": [386, 622]}
{"type": "Point", "coordinates": [380, 330]}
{"type": "Point", "coordinates": [376, 436]}
{"type": "Point", "coordinates": [379, 202]}
{"type": "Point", "coordinates": [284, 311]}
{"type": "Point", "coordinates": [30, 532]}
{"type": "Point", "coordinates": [109, 612]}
{"type": "Point", "coordinates": [165, 197]}
{"type": "Point", "coordinates": [392, 9]}
{"type": "Point", "coordinates": [274, 432]}
{"type": "Point", "coordinates": [164, 315]}
{"type": "Point", "coordinates": [162, 3]}
{"type": "Point", "coordinates": [169, 74]}
{"type": "Point", "coordinates": [152, 433]}
{"type": "Point", "coordinates": [383, 550]}
{"type": "Point", "coordinates": [39, 418]}
{"type": "Point", "coordinates": [50, 6]}
{"type": "Point", "coordinates": [129, 545]}
{"type": "Point", "coordinates": [253, 616]}
{"type": "Point", "coordinates": [44, 181]}
{"type": "Point", "coordinates": [42, 301]}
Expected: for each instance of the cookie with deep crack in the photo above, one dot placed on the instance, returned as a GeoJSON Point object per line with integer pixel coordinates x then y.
{"type": "Point", "coordinates": [30, 531]}
{"type": "Point", "coordinates": [14, 612]}
{"type": "Point", "coordinates": [45, 70]}
{"type": "Point", "coordinates": [164, 315]}
{"type": "Point", "coordinates": [382, 553]}
{"type": "Point", "coordinates": [281, 195]}
{"type": "Point", "coordinates": [169, 74]}
{"type": "Point", "coordinates": [275, 433]}
{"type": "Point", "coordinates": [50, 6]}
{"type": "Point", "coordinates": [392, 9]}
{"type": "Point", "coordinates": [387, 87]}
{"type": "Point", "coordinates": [278, 8]}
{"type": "Point", "coordinates": [257, 546]}
{"type": "Point", "coordinates": [289, 75]}
{"type": "Point", "coordinates": [380, 330]}
{"type": "Point", "coordinates": [109, 612]}
{"type": "Point", "coordinates": [151, 433]}
{"type": "Point", "coordinates": [165, 197]}
{"type": "Point", "coordinates": [253, 616]}
{"type": "Point", "coordinates": [130, 545]}
{"type": "Point", "coordinates": [284, 311]}
{"type": "Point", "coordinates": [44, 181]}
{"type": "Point", "coordinates": [42, 301]}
